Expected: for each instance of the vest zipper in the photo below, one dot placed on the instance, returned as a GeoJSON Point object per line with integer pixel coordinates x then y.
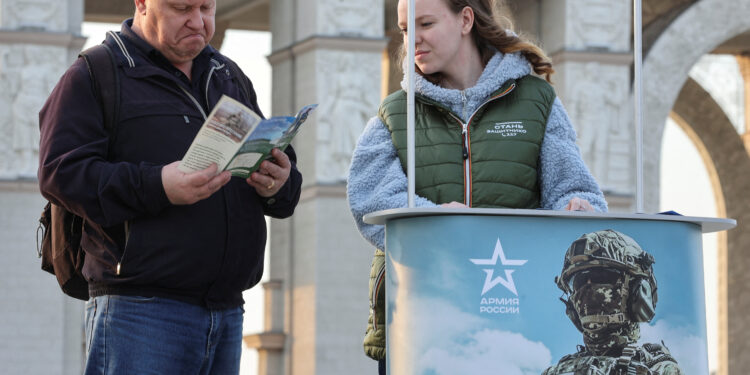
{"type": "Point", "coordinates": [465, 144]}
{"type": "Point", "coordinates": [467, 164]}
{"type": "Point", "coordinates": [467, 160]}
{"type": "Point", "coordinates": [466, 137]}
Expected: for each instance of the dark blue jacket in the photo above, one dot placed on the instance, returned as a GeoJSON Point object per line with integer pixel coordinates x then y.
{"type": "Point", "coordinates": [206, 253]}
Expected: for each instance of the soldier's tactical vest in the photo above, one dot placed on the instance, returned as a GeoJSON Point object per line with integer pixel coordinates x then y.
{"type": "Point", "coordinates": [650, 359]}
{"type": "Point", "coordinates": [492, 160]}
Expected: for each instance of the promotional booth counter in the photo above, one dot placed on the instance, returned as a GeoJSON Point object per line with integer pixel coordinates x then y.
{"type": "Point", "coordinates": [498, 291]}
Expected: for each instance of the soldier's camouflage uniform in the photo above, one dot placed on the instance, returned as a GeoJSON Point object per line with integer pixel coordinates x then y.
{"type": "Point", "coordinates": [650, 359]}
{"type": "Point", "coordinates": [611, 289]}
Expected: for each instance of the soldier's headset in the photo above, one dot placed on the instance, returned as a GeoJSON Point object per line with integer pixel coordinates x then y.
{"type": "Point", "coordinates": [642, 296]}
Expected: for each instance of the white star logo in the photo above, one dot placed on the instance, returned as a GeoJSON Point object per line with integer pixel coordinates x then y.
{"type": "Point", "coordinates": [507, 282]}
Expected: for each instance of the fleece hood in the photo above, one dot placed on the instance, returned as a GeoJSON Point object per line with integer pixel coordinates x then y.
{"type": "Point", "coordinates": [500, 69]}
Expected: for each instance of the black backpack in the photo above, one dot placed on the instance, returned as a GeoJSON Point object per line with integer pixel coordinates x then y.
{"type": "Point", "coordinates": [59, 231]}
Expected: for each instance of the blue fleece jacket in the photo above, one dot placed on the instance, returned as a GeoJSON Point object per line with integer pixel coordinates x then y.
{"type": "Point", "coordinates": [377, 180]}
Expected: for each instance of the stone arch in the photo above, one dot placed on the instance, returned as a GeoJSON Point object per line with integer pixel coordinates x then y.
{"type": "Point", "coordinates": [668, 89]}
{"type": "Point", "coordinates": [697, 31]}
{"type": "Point", "coordinates": [729, 166]}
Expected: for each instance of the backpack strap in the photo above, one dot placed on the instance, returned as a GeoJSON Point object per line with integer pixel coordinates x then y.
{"type": "Point", "coordinates": [241, 80]}
{"type": "Point", "coordinates": [105, 82]}
{"type": "Point", "coordinates": [240, 77]}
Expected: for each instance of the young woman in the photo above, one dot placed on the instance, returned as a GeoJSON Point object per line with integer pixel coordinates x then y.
{"type": "Point", "coordinates": [488, 132]}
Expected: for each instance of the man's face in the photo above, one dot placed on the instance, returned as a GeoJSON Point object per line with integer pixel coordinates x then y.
{"type": "Point", "coordinates": [179, 29]}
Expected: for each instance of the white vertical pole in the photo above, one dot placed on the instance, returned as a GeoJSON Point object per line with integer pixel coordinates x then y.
{"type": "Point", "coordinates": [411, 30]}
{"type": "Point", "coordinates": [638, 102]}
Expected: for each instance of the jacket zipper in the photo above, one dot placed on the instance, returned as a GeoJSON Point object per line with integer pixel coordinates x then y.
{"type": "Point", "coordinates": [463, 103]}
{"type": "Point", "coordinates": [216, 66]}
{"type": "Point", "coordinates": [195, 101]}
{"type": "Point", "coordinates": [118, 268]}
{"type": "Point", "coordinates": [466, 138]}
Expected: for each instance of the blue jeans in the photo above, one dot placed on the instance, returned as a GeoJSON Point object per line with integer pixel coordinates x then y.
{"type": "Point", "coordinates": [138, 335]}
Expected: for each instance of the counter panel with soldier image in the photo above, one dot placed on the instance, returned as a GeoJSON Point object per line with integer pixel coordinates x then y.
{"type": "Point", "coordinates": [472, 291]}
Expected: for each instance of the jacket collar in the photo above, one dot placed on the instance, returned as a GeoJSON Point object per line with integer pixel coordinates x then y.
{"type": "Point", "coordinates": [136, 53]}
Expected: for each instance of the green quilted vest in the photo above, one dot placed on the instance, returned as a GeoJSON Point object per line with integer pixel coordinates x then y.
{"type": "Point", "coordinates": [490, 162]}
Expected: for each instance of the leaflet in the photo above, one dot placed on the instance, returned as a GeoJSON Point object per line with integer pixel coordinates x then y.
{"type": "Point", "coordinates": [238, 140]}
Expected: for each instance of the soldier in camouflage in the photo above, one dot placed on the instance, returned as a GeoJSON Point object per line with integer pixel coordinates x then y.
{"type": "Point", "coordinates": [610, 288]}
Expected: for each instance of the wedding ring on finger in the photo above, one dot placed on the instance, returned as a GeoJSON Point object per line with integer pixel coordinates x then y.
{"type": "Point", "coordinates": [273, 182]}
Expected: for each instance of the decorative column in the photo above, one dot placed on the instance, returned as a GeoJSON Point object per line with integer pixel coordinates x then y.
{"type": "Point", "coordinates": [744, 63]}
{"type": "Point", "coordinates": [42, 330]}
{"type": "Point", "coordinates": [589, 42]}
{"type": "Point", "coordinates": [270, 342]}
{"type": "Point", "coordinates": [327, 52]}
{"type": "Point", "coordinates": [733, 284]}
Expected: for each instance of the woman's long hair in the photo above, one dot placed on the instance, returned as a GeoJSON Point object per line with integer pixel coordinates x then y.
{"type": "Point", "coordinates": [490, 35]}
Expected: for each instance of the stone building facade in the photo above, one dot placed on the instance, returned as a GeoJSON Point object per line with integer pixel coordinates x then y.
{"type": "Point", "coordinates": [41, 330]}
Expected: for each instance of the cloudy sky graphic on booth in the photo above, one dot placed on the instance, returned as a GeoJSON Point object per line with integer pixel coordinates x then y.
{"type": "Point", "coordinates": [524, 334]}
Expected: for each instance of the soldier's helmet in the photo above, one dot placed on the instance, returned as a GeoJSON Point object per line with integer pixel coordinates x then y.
{"type": "Point", "coordinates": [608, 280]}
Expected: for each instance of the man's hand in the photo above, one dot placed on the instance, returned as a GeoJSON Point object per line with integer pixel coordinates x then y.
{"type": "Point", "coordinates": [271, 176]}
{"type": "Point", "coordinates": [578, 204]}
{"type": "Point", "coordinates": [188, 188]}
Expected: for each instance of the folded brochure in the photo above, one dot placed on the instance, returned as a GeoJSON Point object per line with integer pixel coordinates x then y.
{"type": "Point", "coordinates": [238, 140]}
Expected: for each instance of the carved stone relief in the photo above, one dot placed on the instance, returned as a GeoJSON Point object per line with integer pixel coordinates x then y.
{"type": "Point", "coordinates": [599, 106]}
{"type": "Point", "coordinates": [6, 99]}
{"type": "Point", "coordinates": [720, 75]}
{"type": "Point", "coordinates": [349, 92]}
{"type": "Point", "coordinates": [27, 75]}
{"type": "Point", "coordinates": [51, 15]}
{"type": "Point", "coordinates": [600, 24]}
{"type": "Point", "coordinates": [350, 17]}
